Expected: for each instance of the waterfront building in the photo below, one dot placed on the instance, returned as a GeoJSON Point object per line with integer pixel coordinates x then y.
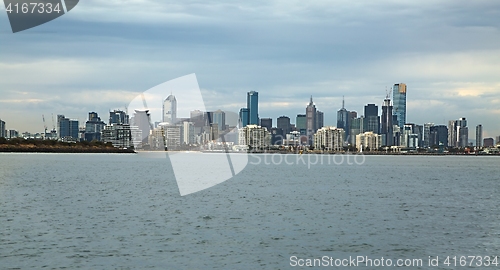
{"type": "Point", "coordinates": [399, 103]}
{"type": "Point", "coordinates": [266, 123]}
{"type": "Point", "coordinates": [438, 136]}
{"type": "Point", "coordinates": [427, 135]}
{"type": "Point", "coordinates": [488, 142]}
{"type": "Point", "coordinates": [368, 141]}
{"type": "Point", "coordinates": [119, 135]}
{"type": "Point", "coordinates": [386, 129]}
{"type": "Point", "coordinates": [3, 130]}
{"type": "Point", "coordinates": [13, 134]}
{"type": "Point", "coordinates": [170, 110]}
{"type": "Point", "coordinates": [255, 137]}
{"type": "Point", "coordinates": [329, 139]}
{"type": "Point", "coordinates": [93, 127]}
{"type": "Point", "coordinates": [253, 107]}
{"type": "Point", "coordinates": [67, 128]}
{"type": "Point", "coordinates": [371, 121]}
{"type": "Point", "coordinates": [283, 122]}
{"type": "Point", "coordinates": [479, 136]}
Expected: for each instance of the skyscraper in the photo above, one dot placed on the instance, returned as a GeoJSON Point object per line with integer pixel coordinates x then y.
{"type": "Point", "coordinates": [310, 120]}
{"type": "Point", "coordinates": [253, 107]}
{"type": "Point", "coordinates": [319, 119]}
{"type": "Point", "coordinates": [3, 131]}
{"type": "Point", "coordinates": [372, 120]}
{"type": "Point", "coordinates": [386, 129]}
{"type": "Point", "coordinates": [243, 117]}
{"type": "Point", "coordinates": [266, 123]}
{"type": "Point", "coordinates": [458, 133]}
{"type": "Point", "coordinates": [427, 134]}
{"type": "Point", "coordinates": [283, 122]}
{"type": "Point", "coordinates": [170, 110]}
{"type": "Point", "coordinates": [301, 124]}
{"type": "Point", "coordinates": [219, 118]}
{"type": "Point", "coordinates": [399, 103]}
{"type": "Point", "coordinates": [118, 117]}
{"type": "Point", "coordinates": [479, 136]}
{"type": "Point", "coordinates": [343, 118]}
{"type": "Point", "coordinates": [93, 127]}
{"type": "Point", "coordinates": [438, 136]}
{"type": "Point", "coordinates": [67, 128]}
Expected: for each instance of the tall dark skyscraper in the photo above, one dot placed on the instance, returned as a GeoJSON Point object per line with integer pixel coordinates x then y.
{"type": "Point", "coordinates": [301, 124]}
{"type": "Point", "coordinates": [253, 107]}
{"type": "Point", "coordinates": [386, 128]}
{"type": "Point", "coordinates": [310, 120]}
{"type": "Point", "coordinates": [319, 119]}
{"type": "Point", "coordinates": [266, 123]}
{"type": "Point", "coordinates": [243, 117]}
{"type": "Point", "coordinates": [372, 120]}
{"type": "Point", "coordinates": [399, 101]}
{"type": "Point", "coordinates": [438, 135]}
{"type": "Point", "coordinates": [343, 119]}
{"type": "Point", "coordinates": [283, 122]}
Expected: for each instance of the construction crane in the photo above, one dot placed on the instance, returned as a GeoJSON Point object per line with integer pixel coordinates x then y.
{"type": "Point", "coordinates": [44, 128]}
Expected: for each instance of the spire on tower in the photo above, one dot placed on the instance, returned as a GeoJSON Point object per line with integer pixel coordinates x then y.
{"type": "Point", "coordinates": [343, 102]}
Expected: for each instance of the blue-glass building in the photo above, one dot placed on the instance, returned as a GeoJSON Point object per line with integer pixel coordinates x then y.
{"type": "Point", "coordinates": [399, 103]}
{"type": "Point", "coordinates": [243, 117]}
{"type": "Point", "coordinates": [253, 107]}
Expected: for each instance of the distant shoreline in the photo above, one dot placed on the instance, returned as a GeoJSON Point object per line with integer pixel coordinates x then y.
{"type": "Point", "coordinates": [23, 148]}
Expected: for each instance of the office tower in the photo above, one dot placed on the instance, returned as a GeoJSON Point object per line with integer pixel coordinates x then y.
{"type": "Point", "coordinates": [3, 131]}
{"type": "Point", "coordinates": [343, 117]}
{"type": "Point", "coordinates": [67, 128]}
{"type": "Point", "coordinates": [462, 133]}
{"type": "Point", "coordinates": [118, 117]}
{"type": "Point", "coordinates": [399, 103]}
{"type": "Point", "coordinates": [319, 119]}
{"type": "Point", "coordinates": [488, 142]}
{"type": "Point", "coordinates": [355, 129]}
{"type": "Point", "coordinates": [219, 117]}
{"type": "Point", "coordinates": [479, 136]}
{"type": "Point", "coordinates": [310, 121]}
{"type": "Point", "coordinates": [372, 120]}
{"type": "Point", "coordinates": [386, 129]}
{"type": "Point", "coordinates": [452, 133]}
{"type": "Point", "coordinates": [301, 124]}
{"type": "Point", "coordinates": [142, 120]}
{"type": "Point", "coordinates": [188, 133]}
{"type": "Point", "coordinates": [170, 110]}
{"type": "Point", "coordinates": [419, 130]}
{"type": "Point", "coordinates": [253, 107]}
{"type": "Point", "coordinates": [427, 134]}
{"type": "Point", "coordinates": [353, 114]}
{"type": "Point", "coordinates": [283, 122]}
{"type": "Point", "coordinates": [93, 127]}
{"type": "Point", "coordinates": [243, 117]}
{"type": "Point", "coordinates": [266, 123]}
{"type": "Point", "coordinates": [438, 136]}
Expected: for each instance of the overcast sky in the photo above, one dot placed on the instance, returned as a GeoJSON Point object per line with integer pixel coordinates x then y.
{"type": "Point", "coordinates": [102, 54]}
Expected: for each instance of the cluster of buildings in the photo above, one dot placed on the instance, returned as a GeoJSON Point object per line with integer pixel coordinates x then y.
{"type": "Point", "coordinates": [385, 129]}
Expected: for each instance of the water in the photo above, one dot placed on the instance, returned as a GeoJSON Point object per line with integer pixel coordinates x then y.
{"type": "Point", "coordinates": [108, 211]}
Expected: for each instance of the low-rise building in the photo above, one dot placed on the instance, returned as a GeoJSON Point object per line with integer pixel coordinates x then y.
{"type": "Point", "coordinates": [256, 137]}
{"type": "Point", "coordinates": [368, 140]}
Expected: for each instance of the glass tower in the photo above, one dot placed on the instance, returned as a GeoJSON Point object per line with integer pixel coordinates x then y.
{"type": "Point", "coordinates": [253, 107]}
{"type": "Point", "coordinates": [399, 103]}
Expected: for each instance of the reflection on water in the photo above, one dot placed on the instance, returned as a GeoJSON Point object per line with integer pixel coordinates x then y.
{"type": "Point", "coordinates": [100, 211]}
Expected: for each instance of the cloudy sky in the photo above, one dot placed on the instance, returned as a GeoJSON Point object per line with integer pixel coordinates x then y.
{"type": "Point", "coordinates": [102, 54]}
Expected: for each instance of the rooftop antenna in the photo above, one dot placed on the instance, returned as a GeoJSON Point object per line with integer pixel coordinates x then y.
{"type": "Point", "coordinates": [343, 102]}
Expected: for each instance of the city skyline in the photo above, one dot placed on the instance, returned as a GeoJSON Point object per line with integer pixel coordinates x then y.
{"type": "Point", "coordinates": [446, 51]}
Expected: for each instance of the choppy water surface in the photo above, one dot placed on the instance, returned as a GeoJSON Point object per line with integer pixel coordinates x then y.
{"type": "Point", "coordinates": [99, 211]}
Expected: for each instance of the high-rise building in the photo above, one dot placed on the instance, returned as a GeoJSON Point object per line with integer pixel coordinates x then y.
{"type": "Point", "coordinates": [253, 107]}
{"type": "Point", "coordinates": [67, 128]}
{"type": "Point", "coordinates": [386, 129]}
{"type": "Point", "coordinates": [188, 133]}
{"type": "Point", "coordinates": [3, 131]}
{"type": "Point", "coordinates": [93, 127]}
{"type": "Point", "coordinates": [118, 117]}
{"type": "Point", "coordinates": [170, 110]}
{"type": "Point", "coordinates": [266, 123]}
{"type": "Point", "coordinates": [142, 120]}
{"type": "Point", "coordinates": [255, 137]}
{"type": "Point", "coordinates": [356, 128]}
{"type": "Point", "coordinates": [310, 120]}
{"type": "Point", "coordinates": [438, 136]}
{"type": "Point", "coordinates": [479, 136]}
{"type": "Point", "coordinates": [462, 133]}
{"type": "Point", "coordinates": [427, 135]}
{"type": "Point", "coordinates": [399, 103]}
{"type": "Point", "coordinates": [283, 122]}
{"type": "Point", "coordinates": [319, 119]}
{"type": "Point", "coordinates": [329, 139]}
{"type": "Point", "coordinates": [368, 141]}
{"type": "Point", "coordinates": [452, 133]}
{"type": "Point", "coordinates": [301, 124]}
{"type": "Point", "coordinates": [243, 117]}
{"type": "Point", "coordinates": [219, 118]}
{"type": "Point", "coordinates": [343, 118]}
{"type": "Point", "coordinates": [372, 120]}
{"type": "Point", "coordinates": [488, 142]}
